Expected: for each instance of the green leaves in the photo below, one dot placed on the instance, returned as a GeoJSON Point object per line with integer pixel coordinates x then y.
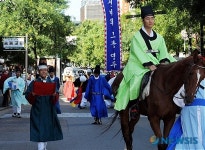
{"type": "Point", "coordinates": [90, 44]}
{"type": "Point", "coordinates": [42, 20]}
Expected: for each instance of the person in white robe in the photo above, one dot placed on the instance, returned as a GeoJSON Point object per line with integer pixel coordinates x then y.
{"type": "Point", "coordinates": [16, 85]}
{"type": "Point", "coordinates": [190, 126]}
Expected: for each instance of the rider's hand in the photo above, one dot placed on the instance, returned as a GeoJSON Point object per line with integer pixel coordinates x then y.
{"type": "Point", "coordinates": [152, 67]}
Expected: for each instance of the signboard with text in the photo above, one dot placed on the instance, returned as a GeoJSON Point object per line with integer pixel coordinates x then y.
{"type": "Point", "coordinates": [13, 43]}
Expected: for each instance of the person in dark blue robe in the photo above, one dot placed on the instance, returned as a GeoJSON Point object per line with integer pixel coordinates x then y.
{"type": "Point", "coordinates": [52, 76]}
{"type": "Point", "coordinates": [96, 89]}
{"type": "Point", "coordinates": [44, 123]}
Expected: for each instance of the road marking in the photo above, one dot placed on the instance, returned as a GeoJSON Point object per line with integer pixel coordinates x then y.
{"type": "Point", "coordinates": [63, 115]}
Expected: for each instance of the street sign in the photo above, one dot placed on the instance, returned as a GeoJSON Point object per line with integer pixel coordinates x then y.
{"type": "Point", "coordinates": [13, 43]}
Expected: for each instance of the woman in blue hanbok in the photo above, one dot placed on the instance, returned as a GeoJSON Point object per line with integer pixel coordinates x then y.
{"type": "Point", "coordinates": [96, 89]}
{"type": "Point", "coordinates": [17, 85]}
{"type": "Point", "coordinates": [188, 132]}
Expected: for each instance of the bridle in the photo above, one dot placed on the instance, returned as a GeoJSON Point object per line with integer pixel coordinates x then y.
{"type": "Point", "coordinates": [198, 85]}
{"type": "Point", "coordinates": [164, 91]}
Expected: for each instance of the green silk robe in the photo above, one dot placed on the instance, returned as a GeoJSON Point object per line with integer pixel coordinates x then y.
{"type": "Point", "coordinates": [134, 70]}
{"type": "Point", "coordinates": [44, 123]}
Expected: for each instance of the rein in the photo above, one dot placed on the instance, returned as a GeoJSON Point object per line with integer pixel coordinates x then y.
{"type": "Point", "coordinates": [198, 66]}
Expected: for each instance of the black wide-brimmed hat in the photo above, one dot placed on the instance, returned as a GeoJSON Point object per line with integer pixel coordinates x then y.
{"type": "Point", "coordinates": [146, 11]}
{"type": "Point", "coordinates": [51, 69]}
{"type": "Point", "coordinates": [97, 69]}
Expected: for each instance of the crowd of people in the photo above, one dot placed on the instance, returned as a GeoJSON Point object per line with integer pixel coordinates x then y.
{"type": "Point", "coordinates": [72, 88]}
{"type": "Point", "coordinates": [89, 87]}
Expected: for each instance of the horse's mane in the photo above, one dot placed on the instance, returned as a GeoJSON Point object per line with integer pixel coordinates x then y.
{"type": "Point", "coordinates": [171, 66]}
{"type": "Point", "coordinates": [172, 74]}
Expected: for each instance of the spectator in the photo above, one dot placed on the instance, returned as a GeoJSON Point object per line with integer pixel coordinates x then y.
{"type": "Point", "coordinates": [6, 97]}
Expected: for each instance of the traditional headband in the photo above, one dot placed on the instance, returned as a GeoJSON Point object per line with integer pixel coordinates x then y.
{"type": "Point", "coordinates": [42, 67]}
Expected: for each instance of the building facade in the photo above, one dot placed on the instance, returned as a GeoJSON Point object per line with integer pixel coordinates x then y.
{"type": "Point", "coordinates": [93, 10]}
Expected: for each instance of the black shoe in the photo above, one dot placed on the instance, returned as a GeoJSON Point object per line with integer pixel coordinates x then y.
{"type": "Point", "coordinates": [100, 122]}
{"type": "Point", "coordinates": [80, 107]}
{"type": "Point", "coordinates": [95, 122]}
{"type": "Point", "coordinates": [14, 115]}
{"type": "Point", "coordinates": [18, 115]}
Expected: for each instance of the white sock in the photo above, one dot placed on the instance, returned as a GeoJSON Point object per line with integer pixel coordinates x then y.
{"type": "Point", "coordinates": [45, 144]}
{"type": "Point", "coordinates": [41, 145]}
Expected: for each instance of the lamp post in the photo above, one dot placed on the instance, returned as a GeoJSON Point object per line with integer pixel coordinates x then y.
{"type": "Point", "coordinates": [184, 37]}
{"type": "Point", "coordinates": [190, 39]}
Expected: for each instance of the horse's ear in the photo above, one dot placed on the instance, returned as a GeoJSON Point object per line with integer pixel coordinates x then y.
{"type": "Point", "coordinates": [195, 55]}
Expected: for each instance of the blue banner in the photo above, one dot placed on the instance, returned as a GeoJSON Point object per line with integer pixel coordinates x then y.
{"type": "Point", "coordinates": [111, 11]}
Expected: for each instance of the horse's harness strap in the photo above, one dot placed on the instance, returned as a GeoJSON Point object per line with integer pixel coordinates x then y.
{"type": "Point", "coordinates": [201, 86]}
{"type": "Point", "coordinates": [198, 66]}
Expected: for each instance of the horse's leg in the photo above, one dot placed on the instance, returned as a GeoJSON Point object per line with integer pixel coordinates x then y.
{"type": "Point", "coordinates": [133, 122]}
{"type": "Point", "coordinates": [124, 120]}
{"type": "Point", "coordinates": [168, 123]}
{"type": "Point", "coordinates": [155, 125]}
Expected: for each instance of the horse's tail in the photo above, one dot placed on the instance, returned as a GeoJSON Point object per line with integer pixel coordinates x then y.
{"type": "Point", "coordinates": [114, 118]}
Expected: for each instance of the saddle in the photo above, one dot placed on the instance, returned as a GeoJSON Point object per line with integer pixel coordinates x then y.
{"type": "Point", "coordinates": [145, 87]}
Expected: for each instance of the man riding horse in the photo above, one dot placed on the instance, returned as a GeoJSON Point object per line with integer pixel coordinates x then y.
{"type": "Point", "coordinates": [147, 50]}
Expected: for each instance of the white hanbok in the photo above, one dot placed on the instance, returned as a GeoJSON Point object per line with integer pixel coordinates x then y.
{"type": "Point", "coordinates": [109, 103]}
{"type": "Point", "coordinates": [17, 87]}
{"type": "Point", "coordinates": [192, 121]}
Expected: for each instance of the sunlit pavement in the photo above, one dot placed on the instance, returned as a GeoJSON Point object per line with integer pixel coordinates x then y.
{"type": "Point", "coordinates": [79, 133]}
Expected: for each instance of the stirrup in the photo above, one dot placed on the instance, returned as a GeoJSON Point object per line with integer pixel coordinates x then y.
{"type": "Point", "coordinates": [134, 111]}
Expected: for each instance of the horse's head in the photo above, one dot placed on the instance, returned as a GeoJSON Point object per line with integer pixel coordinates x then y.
{"type": "Point", "coordinates": [195, 74]}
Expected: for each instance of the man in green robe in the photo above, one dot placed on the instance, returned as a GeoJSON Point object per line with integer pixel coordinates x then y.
{"type": "Point", "coordinates": [147, 50]}
{"type": "Point", "coordinates": [44, 123]}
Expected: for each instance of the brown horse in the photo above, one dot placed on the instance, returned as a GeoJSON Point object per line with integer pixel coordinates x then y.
{"type": "Point", "coordinates": [159, 105]}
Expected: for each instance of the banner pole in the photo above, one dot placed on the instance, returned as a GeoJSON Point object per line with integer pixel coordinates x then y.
{"type": "Point", "coordinates": [26, 57]}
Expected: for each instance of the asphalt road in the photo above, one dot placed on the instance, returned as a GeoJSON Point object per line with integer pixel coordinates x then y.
{"type": "Point", "coordinates": [79, 133]}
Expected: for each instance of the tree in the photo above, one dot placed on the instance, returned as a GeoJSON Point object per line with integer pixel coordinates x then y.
{"type": "Point", "coordinates": [42, 20]}
{"type": "Point", "coordinates": [194, 10]}
{"type": "Point", "coordinates": [90, 44]}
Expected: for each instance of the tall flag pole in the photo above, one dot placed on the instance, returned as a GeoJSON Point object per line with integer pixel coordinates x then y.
{"type": "Point", "coordinates": [113, 46]}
